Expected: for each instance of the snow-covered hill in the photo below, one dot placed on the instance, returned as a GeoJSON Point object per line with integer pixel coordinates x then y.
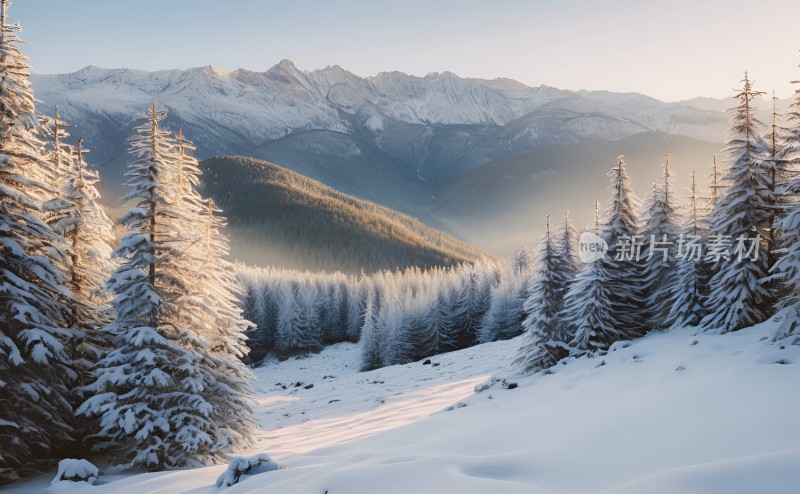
{"type": "Point", "coordinates": [436, 126]}
{"type": "Point", "coordinates": [669, 413]}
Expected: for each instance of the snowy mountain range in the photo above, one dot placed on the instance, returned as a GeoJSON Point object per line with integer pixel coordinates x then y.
{"type": "Point", "coordinates": [430, 128]}
{"type": "Point", "coordinates": [423, 146]}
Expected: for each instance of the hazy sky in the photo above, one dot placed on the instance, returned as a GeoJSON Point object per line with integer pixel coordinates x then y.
{"type": "Point", "coordinates": [671, 49]}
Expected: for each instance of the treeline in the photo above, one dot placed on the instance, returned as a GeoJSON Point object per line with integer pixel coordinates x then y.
{"type": "Point", "coordinates": [133, 354]}
{"type": "Point", "coordinates": [278, 217]}
{"type": "Point", "coordinates": [398, 317]}
{"type": "Point", "coordinates": [721, 262]}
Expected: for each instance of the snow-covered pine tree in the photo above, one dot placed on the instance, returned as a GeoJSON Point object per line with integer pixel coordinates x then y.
{"type": "Point", "coordinates": [77, 216]}
{"type": "Point", "coordinates": [153, 392]}
{"type": "Point", "coordinates": [61, 155]}
{"type": "Point", "coordinates": [471, 305]}
{"type": "Point", "coordinates": [261, 339]}
{"type": "Point", "coordinates": [592, 314]}
{"type": "Point", "coordinates": [715, 187]}
{"type": "Point", "coordinates": [659, 233]}
{"type": "Point", "coordinates": [779, 172]}
{"type": "Point", "coordinates": [544, 344]}
{"type": "Point", "coordinates": [522, 260]}
{"type": "Point", "coordinates": [737, 298]}
{"type": "Point", "coordinates": [218, 316]}
{"type": "Point", "coordinates": [334, 323]}
{"type": "Point", "coordinates": [439, 333]}
{"type": "Point", "coordinates": [787, 267]}
{"type": "Point", "coordinates": [396, 345]}
{"type": "Point", "coordinates": [504, 317]}
{"type": "Point", "coordinates": [357, 307]}
{"type": "Point", "coordinates": [298, 329]}
{"type": "Point", "coordinates": [688, 286]}
{"type": "Point", "coordinates": [625, 274]}
{"type": "Point", "coordinates": [413, 325]}
{"type": "Point", "coordinates": [566, 240]}
{"type": "Point", "coordinates": [371, 355]}
{"type": "Point", "coordinates": [37, 371]}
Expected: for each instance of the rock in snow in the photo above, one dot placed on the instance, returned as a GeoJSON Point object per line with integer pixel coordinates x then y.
{"type": "Point", "coordinates": [246, 466]}
{"type": "Point", "coordinates": [72, 470]}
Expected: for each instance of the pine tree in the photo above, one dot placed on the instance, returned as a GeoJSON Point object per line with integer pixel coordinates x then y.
{"type": "Point", "coordinates": [37, 371]}
{"type": "Point", "coordinates": [688, 286]}
{"type": "Point", "coordinates": [566, 240]}
{"type": "Point", "coordinates": [219, 320]}
{"type": "Point", "coordinates": [737, 298]}
{"type": "Point", "coordinates": [625, 276]}
{"type": "Point", "coordinates": [334, 323]}
{"type": "Point", "coordinates": [413, 326]}
{"type": "Point", "coordinates": [659, 235]}
{"type": "Point", "coordinates": [787, 267]}
{"type": "Point", "coordinates": [77, 216]}
{"type": "Point", "coordinates": [371, 357]}
{"type": "Point", "coordinates": [470, 307]}
{"type": "Point", "coordinates": [299, 329]}
{"type": "Point", "coordinates": [154, 394]}
{"type": "Point", "coordinates": [715, 187]}
{"type": "Point", "coordinates": [544, 344]}
{"type": "Point", "coordinates": [357, 308]}
{"type": "Point", "coordinates": [522, 260]}
{"type": "Point", "coordinates": [439, 334]}
{"type": "Point", "coordinates": [599, 308]}
{"type": "Point", "coordinates": [396, 345]}
{"type": "Point", "coordinates": [503, 319]}
{"type": "Point", "coordinates": [779, 173]}
{"type": "Point", "coordinates": [261, 339]}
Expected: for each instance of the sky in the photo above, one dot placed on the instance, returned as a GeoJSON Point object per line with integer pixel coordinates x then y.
{"type": "Point", "coordinates": [672, 50]}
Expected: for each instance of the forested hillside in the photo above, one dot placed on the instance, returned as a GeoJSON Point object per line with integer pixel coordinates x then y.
{"type": "Point", "coordinates": [279, 217]}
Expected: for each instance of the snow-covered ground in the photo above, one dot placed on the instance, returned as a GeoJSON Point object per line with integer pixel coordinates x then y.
{"type": "Point", "coordinates": [670, 413]}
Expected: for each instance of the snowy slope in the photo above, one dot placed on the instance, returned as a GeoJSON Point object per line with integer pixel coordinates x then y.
{"type": "Point", "coordinates": [670, 413]}
{"type": "Point", "coordinates": [436, 126]}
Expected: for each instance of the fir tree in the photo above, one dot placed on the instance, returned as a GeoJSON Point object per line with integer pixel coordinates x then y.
{"type": "Point", "coordinates": [737, 298]}
{"type": "Point", "coordinates": [625, 275]}
{"type": "Point", "coordinates": [779, 174]}
{"type": "Point", "coordinates": [298, 329]}
{"type": "Point", "coordinates": [357, 308]}
{"type": "Point", "coordinates": [334, 305]}
{"type": "Point", "coordinates": [218, 316]}
{"type": "Point", "coordinates": [688, 286]}
{"type": "Point", "coordinates": [396, 346]}
{"type": "Point", "coordinates": [566, 240]}
{"type": "Point", "coordinates": [370, 337]}
{"type": "Point", "coordinates": [659, 235]}
{"type": "Point", "coordinates": [37, 371]}
{"type": "Point", "coordinates": [787, 267]}
{"type": "Point", "coordinates": [544, 345]}
{"type": "Point", "coordinates": [602, 307]}
{"type": "Point", "coordinates": [154, 394]}
{"type": "Point", "coordinates": [439, 334]}
{"type": "Point", "coordinates": [470, 307]}
{"type": "Point", "coordinates": [77, 216]}
{"type": "Point", "coordinates": [504, 317]}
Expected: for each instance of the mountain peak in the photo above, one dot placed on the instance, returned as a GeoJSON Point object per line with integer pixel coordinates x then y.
{"type": "Point", "coordinates": [286, 64]}
{"type": "Point", "coordinates": [213, 69]}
